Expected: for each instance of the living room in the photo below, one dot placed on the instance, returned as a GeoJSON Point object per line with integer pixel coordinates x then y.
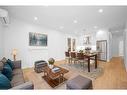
{"type": "Point", "coordinates": [86, 25]}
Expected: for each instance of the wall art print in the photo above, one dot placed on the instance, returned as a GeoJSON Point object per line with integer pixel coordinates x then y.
{"type": "Point", "coordinates": [37, 39]}
{"type": "Point", "coordinates": [87, 40]}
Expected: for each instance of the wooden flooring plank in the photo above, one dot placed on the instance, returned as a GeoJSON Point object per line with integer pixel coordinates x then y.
{"type": "Point", "coordinates": [114, 77]}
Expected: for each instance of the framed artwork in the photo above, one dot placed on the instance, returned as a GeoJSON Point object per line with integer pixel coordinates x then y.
{"type": "Point", "coordinates": [87, 40]}
{"type": "Point", "coordinates": [37, 39]}
{"type": "Point", "coordinates": [73, 44]}
{"type": "Point", "coordinates": [69, 44]}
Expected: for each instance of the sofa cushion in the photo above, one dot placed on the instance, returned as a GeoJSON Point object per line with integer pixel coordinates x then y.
{"type": "Point", "coordinates": [7, 71]}
{"type": "Point", "coordinates": [10, 63]}
{"type": "Point", "coordinates": [25, 86]}
{"type": "Point", "coordinates": [17, 83]}
{"type": "Point", "coordinates": [17, 79]}
{"type": "Point", "coordinates": [4, 82]}
{"type": "Point", "coordinates": [4, 60]}
{"type": "Point", "coordinates": [17, 71]}
{"type": "Point", "coordinates": [1, 65]}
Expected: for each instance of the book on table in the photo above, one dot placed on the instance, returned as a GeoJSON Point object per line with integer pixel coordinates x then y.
{"type": "Point", "coordinates": [56, 69]}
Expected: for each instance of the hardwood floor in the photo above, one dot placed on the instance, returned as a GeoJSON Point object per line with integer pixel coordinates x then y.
{"type": "Point", "coordinates": [114, 77]}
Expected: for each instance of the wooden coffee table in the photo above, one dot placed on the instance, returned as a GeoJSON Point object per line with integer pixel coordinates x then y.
{"type": "Point", "coordinates": [54, 79]}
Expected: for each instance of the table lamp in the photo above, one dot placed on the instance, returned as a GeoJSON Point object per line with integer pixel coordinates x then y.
{"type": "Point", "coordinates": [14, 53]}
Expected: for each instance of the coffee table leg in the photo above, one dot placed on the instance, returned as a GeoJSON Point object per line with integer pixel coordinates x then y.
{"type": "Point", "coordinates": [44, 73]}
{"type": "Point", "coordinates": [88, 64]}
{"type": "Point", "coordinates": [62, 76]}
{"type": "Point", "coordinates": [95, 61]}
{"type": "Point", "coordinates": [59, 79]}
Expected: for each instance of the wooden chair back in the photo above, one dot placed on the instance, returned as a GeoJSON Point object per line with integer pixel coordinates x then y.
{"type": "Point", "coordinates": [73, 55]}
{"type": "Point", "coordinates": [80, 56]}
{"type": "Point", "coordinates": [67, 54]}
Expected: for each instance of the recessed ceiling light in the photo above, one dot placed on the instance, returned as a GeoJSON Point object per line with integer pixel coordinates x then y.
{"type": "Point", "coordinates": [61, 27]}
{"type": "Point", "coordinates": [100, 10]}
{"type": "Point", "coordinates": [35, 18]}
{"type": "Point", "coordinates": [95, 27]}
{"type": "Point", "coordinates": [75, 21]}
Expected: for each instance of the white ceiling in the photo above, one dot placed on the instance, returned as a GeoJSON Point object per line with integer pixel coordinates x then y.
{"type": "Point", "coordinates": [87, 17]}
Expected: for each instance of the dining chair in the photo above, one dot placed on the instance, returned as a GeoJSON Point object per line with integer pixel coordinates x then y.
{"type": "Point", "coordinates": [67, 57]}
{"type": "Point", "coordinates": [81, 59]}
{"type": "Point", "coordinates": [73, 57]}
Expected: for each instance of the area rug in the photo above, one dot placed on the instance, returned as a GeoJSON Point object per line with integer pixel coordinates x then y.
{"type": "Point", "coordinates": [83, 70]}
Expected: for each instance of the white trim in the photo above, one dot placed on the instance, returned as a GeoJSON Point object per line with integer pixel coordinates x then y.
{"type": "Point", "coordinates": [37, 48]}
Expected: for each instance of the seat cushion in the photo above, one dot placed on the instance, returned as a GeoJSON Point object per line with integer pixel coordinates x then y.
{"type": "Point", "coordinates": [7, 71]}
{"type": "Point", "coordinates": [10, 63]}
{"type": "Point", "coordinates": [79, 82]}
{"type": "Point", "coordinates": [17, 83]}
{"type": "Point", "coordinates": [17, 71]}
{"type": "Point", "coordinates": [17, 79]}
{"type": "Point", "coordinates": [4, 82]}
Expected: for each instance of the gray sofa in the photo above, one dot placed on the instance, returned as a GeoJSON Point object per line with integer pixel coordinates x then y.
{"type": "Point", "coordinates": [18, 81]}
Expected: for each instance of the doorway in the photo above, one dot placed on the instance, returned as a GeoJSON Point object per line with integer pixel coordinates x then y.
{"type": "Point", "coordinates": [117, 45]}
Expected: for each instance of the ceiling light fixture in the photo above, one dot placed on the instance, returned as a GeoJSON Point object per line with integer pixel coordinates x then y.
{"type": "Point", "coordinates": [100, 10]}
{"type": "Point", "coordinates": [95, 27]}
{"type": "Point", "coordinates": [61, 27]}
{"type": "Point", "coordinates": [35, 18]}
{"type": "Point", "coordinates": [75, 21]}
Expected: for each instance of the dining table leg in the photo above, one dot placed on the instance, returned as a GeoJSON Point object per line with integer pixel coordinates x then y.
{"type": "Point", "coordinates": [95, 61]}
{"type": "Point", "coordinates": [88, 64]}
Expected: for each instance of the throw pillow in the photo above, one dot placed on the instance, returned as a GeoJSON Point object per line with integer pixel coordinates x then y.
{"type": "Point", "coordinates": [4, 82]}
{"type": "Point", "coordinates": [7, 71]}
{"type": "Point", "coordinates": [4, 60]}
{"type": "Point", "coordinates": [10, 63]}
{"type": "Point", "coordinates": [1, 66]}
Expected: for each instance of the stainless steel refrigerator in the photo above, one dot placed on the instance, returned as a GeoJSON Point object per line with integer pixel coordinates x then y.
{"type": "Point", "coordinates": [101, 47]}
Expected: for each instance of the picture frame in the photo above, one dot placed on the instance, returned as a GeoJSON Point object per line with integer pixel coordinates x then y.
{"type": "Point", "coordinates": [87, 40]}
{"type": "Point", "coordinates": [38, 39]}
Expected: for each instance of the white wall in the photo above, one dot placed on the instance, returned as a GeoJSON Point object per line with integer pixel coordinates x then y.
{"type": "Point", "coordinates": [110, 45]}
{"type": "Point", "coordinates": [121, 49]}
{"type": "Point", "coordinates": [1, 41]}
{"type": "Point", "coordinates": [125, 47]}
{"type": "Point", "coordinates": [117, 45]}
{"type": "Point", "coordinates": [16, 36]}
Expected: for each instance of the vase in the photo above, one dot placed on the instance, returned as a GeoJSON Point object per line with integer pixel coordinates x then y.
{"type": "Point", "coordinates": [51, 66]}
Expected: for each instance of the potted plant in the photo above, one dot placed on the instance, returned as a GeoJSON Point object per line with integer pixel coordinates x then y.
{"type": "Point", "coordinates": [80, 51]}
{"type": "Point", "coordinates": [87, 50]}
{"type": "Point", "coordinates": [51, 62]}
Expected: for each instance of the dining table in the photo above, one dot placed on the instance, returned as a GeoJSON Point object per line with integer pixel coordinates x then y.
{"type": "Point", "coordinates": [91, 56]}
